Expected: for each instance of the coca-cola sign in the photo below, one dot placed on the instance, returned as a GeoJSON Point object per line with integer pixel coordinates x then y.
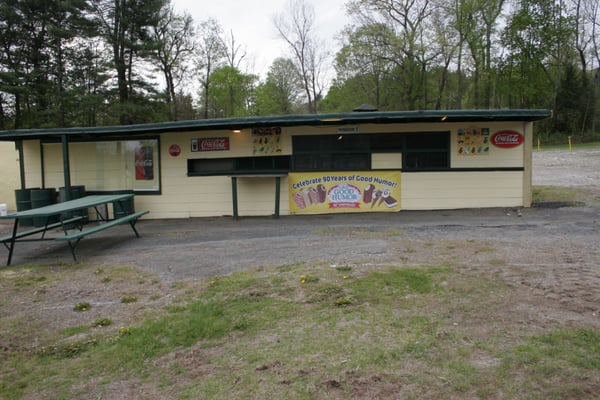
{"type": "Point", "coordinates": [507, 139]}
{"type": "Point", "coordinates": [210, 144]}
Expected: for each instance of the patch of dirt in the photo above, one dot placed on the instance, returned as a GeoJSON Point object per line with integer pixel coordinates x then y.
{"type": "Point", "coordinates": [39, 303]}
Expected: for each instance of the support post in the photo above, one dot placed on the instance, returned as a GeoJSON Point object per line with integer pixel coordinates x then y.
{"type": "Point", "coordinates": [234, 197]}
{"type": "Point", "coordinates": [66, 168]}
{"type": "Point", "coordinates": [277, 196]}
{"type": "Point", "coordinates": [21, 163]}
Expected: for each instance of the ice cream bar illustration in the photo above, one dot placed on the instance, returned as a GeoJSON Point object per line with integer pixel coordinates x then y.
{"type": "Point", "coordinates": [322, 193]}
{"type": "Point", "coordinates": [368, 194]}
{"type": "Point", "coordinates": [306, 197]}
{"type": "Point", "coordinates": [388, 199]}
{"type": "Point", "coordinates": [299, 200]}
{"type": "Point", "coordinates": [376, 197]}
{"type": "Point", "coordinates": [314, 195]}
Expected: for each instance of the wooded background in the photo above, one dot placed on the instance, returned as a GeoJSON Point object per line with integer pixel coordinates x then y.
{"type": "Point", "coordinates": [104, 62]}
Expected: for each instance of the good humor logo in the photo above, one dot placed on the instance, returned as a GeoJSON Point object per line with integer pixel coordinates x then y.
{"type": "Point", "coordinates": [344, 195]}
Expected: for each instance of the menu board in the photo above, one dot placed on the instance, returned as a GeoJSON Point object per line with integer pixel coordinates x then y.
{"type": "Point", "coordinates": [473, 141]}
{"type": "Point", "coordinates": [266, 141]}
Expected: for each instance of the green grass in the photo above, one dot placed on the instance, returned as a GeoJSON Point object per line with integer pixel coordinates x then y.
{"type": "Point", "coordinates": [559, 194]}
{"type": "Point", "coordinates": [378, 332]}
{"type": "Point", "coordinates": [572, 354]}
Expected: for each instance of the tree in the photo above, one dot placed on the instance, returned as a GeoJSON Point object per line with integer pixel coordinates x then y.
{"type": "Point", "coordinates": [174, 36]}
{"type": "Point", "coordinates": [344, 95]}
{"type": "Point", "coordinates": [365, 58]}
{"type": "Point", "coordinates": [459, 20]}
{"type": "Point", "coordinates": [280, 92]}
{"type": "Point", "coordinates": [297, 30]}
{"type": "Point", "coordinates": [538, 39]}
{"type": "Point", "coordinates": [570, 102]}
{"type": "Point", "coordinates": [210, 55]}
{"type": "Point", "coordinates": [126, 26]}
{"type": "Point", "coordinates": [15, 54]}
{"type": "Point", "coordinates": [412, 49]}
{"type": "Point", "coordinates": [89, 92]}
{"type": "Point", "coordinates": [38, 41]}
{"type": "Point", "coordinates": [230, 93]}
{"type": "Point", "coordinates": [588, 38]}
{"type": "Point", "coordinates": [234, 53]}
{"type": "Point", "coordinates": [480, 19]}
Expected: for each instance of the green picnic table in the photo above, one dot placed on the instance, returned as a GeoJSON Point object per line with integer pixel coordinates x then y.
{"type": "Point", "coordinates": [64, 211]}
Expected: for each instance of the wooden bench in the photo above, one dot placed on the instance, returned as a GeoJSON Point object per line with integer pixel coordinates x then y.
{"type": "Point", "coordinates": [42, 229]}
{"type": "Point", "coordinates": [74, 237]}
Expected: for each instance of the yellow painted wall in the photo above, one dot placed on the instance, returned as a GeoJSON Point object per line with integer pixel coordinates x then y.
{"type": "Point", "coordinates": [386, 161]}
{"type": "Point", "coordinates": [9, 171]}
{"type": "Point", "coordinates": [33, 165]}
{"type": "Point", "coordinates": [185, 196]}
{"type": "Point", "coordinates": [451, 190]}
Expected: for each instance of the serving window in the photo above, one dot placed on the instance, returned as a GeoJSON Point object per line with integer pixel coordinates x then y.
{"type": "Point", "coordinates": [238, 165]}
{"type": "Point", "coordinates": [339, 152]}
{"type": "Point", "coordinates": [426, 151]}
{"type": "Point", "coordinates": [421, 151]}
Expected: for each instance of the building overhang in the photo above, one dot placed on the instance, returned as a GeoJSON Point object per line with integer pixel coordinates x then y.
{"type": "Point", "coordinates": [334, 119]}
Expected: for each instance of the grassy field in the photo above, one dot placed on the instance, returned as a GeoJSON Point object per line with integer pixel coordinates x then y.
{"type": "Point", "coordinates": [302, 332]}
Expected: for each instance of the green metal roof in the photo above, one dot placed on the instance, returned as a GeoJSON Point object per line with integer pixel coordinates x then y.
{"type": "Point", "coordinates": [375, 117]}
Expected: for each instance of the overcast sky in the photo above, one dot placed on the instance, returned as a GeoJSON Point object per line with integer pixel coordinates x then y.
{"type": "Point", "coordinates": [253, 27]}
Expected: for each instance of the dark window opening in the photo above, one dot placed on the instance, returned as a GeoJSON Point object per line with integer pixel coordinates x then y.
{"type": "Point", "coordinates": [238, 165]}
{"type": "Point", "coordinates": [429, 151]}
{"type": "Point", "coordinates": [420, 151]}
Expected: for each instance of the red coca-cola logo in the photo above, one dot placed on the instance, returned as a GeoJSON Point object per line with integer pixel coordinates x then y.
{"type": "Point", "coordinates": [507, 139]}
{"type": "Point", "coordinates": [175, 150]}
{"type": "Point", "coordinates": [210, 144]}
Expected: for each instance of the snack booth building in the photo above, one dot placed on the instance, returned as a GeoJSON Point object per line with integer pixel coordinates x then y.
{"type": "Point", "coordinates": [293, 164]}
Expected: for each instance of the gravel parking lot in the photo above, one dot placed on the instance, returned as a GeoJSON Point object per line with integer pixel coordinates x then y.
{"type": "Point", "coordinates": [201, 247]}
{"type": "Point", "coordinates": [580, 168]}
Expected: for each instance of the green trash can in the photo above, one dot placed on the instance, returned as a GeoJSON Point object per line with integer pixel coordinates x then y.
{"type": "Point", "coordinates": [41, 198]}
{"type": "Point", "coordinates": [77, 192]}
{"type": "Point", "coordinates": [23, 201]}
{"type": "Point", "coordinates": [123, 207]}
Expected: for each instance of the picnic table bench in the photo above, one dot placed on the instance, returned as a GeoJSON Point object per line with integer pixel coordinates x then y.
{"type": "Point", "coordinates": [75, 237]}
{"type": "Point", "coordinates": [43, 229]}
{"type": "Point", "coordinates": [65, 209]}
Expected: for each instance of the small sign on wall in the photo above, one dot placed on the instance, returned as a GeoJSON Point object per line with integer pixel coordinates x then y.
{"type": "Point", "coordinates": [266, 141]}
{"type": "Point", "coordinates": [174, 150]}
{"type": "Point", "coordinates": [507, 139]}
{"type": "Point", "coordinates": [347, 130]}
{"type": "Point", "coordinates": [473, 141]}
{"type": "Point", "coordinates": [210, 144]}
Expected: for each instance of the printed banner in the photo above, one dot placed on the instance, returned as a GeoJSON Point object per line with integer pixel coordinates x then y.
{"type": "Point", "coordinates": [356, 191]}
